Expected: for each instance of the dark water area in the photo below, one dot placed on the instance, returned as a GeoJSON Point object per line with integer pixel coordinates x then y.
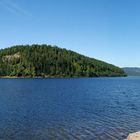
{"type": "Point", "coordinates": [69, 109]}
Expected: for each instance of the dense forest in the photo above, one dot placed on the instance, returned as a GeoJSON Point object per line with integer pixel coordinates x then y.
{"type": "Point", "coordinates": [51, 61]}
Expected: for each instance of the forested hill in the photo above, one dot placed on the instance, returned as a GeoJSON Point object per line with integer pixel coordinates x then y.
{"type": "Point", "coordinates": [48, 61]}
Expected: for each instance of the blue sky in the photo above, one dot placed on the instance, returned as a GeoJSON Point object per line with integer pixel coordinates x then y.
{"type": "Point", "coordinates": [108, 30]}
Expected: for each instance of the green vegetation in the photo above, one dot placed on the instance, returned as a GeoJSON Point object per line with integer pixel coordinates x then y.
{"type": "Point", "coordinates": [48, 61]}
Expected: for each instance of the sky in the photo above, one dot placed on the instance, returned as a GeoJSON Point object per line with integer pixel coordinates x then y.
{"type": "Point", "coordinates": [107, 30]}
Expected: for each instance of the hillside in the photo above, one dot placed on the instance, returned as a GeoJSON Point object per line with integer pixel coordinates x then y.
{"type": "Point", "coordinates": [48, 61]}
{"type": "Point", "coordinates": [132, 71]}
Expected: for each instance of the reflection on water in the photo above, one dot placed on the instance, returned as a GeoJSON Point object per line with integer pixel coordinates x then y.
{"type": "Point", "coordinates": [69, 109]}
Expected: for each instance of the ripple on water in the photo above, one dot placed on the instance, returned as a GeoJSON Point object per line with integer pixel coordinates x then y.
{"type": "Point", "coordinates": [69, 109]}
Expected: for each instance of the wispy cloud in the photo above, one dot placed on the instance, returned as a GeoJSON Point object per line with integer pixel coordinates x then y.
{"type": "Point", "coordinates": [12, 7]}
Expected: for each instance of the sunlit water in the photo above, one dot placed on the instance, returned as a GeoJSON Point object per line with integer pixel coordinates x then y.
{"type": "Point", "coordinates": [69, 109]}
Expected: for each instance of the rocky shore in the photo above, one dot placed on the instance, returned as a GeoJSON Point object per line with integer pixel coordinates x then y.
{"type": "Point", "coordinates": [134, 136]}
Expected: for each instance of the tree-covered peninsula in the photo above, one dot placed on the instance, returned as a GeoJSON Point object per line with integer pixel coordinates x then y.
{"type": "Point", "coordinates": [51, 61]}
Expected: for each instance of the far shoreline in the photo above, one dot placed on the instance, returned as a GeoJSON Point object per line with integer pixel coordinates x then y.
{"type": "Point", "coordinates": [53, 77]}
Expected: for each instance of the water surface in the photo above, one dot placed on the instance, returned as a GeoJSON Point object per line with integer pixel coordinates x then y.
{"type": "Point", "coordinates": [69, 109]}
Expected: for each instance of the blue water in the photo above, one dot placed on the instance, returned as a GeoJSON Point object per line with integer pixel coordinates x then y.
{"type": "Point", "coordinates": [69, 109]}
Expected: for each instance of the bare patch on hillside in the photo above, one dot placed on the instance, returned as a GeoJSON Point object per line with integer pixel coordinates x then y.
{"type": "Point", "coordinates": [11, 57]}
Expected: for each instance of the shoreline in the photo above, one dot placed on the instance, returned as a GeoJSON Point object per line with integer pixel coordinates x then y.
{"type": "Point", "coordinates": [133, 136]}
{"type": "Point", "coordinates": [45, 77]}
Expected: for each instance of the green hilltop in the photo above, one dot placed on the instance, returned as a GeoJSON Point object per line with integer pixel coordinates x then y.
{"type": "Point", "coordinates": [51, 61]}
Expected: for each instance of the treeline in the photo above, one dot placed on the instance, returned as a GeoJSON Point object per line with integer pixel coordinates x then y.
{"type": "Point", "coordinates": [51, 61]}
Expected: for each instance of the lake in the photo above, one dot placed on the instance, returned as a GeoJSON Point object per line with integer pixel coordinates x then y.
{"type": "Point", "coordinates": [69, 109]}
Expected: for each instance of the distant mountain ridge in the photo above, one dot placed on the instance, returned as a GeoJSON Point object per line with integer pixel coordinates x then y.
{"type": "Point", "coordinates": [49, 61]}
{"type": "Point", "coordinates": [132, 71]}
